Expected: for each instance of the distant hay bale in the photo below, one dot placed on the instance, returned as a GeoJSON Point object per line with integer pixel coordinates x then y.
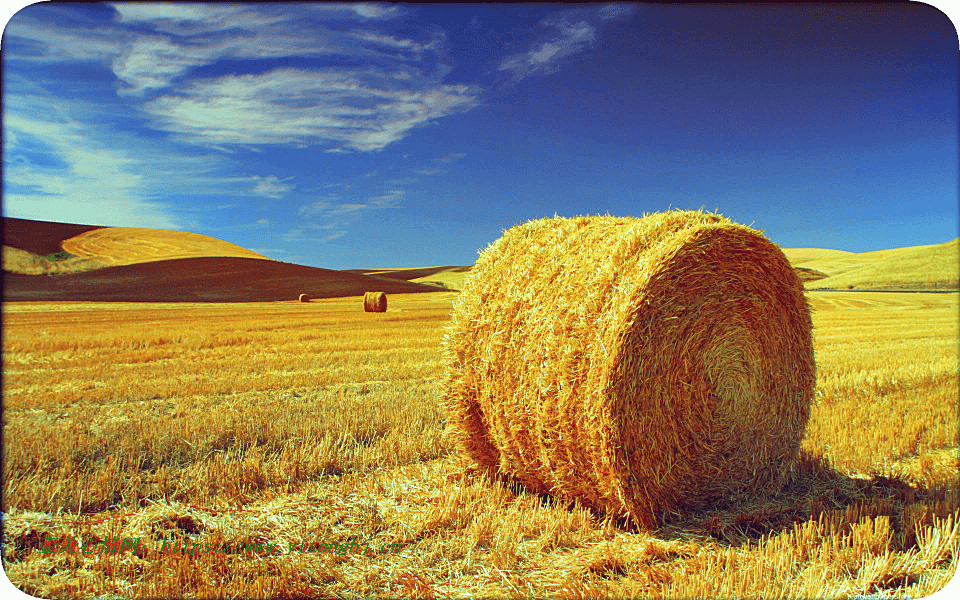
{"type": "Point", "coordinates": [639, 365]}
{"type": "Point", "coordinates": [304, 298]}
{"type": "Point", "coordinates": [375, 302]}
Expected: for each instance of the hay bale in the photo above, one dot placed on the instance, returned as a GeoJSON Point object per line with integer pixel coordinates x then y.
{"type": "Point", "coordinates": [304, 298]}
{"type": "Point", "coordinates": [375, 302]}
{"type": "Point", "coordinates": [639, 365]}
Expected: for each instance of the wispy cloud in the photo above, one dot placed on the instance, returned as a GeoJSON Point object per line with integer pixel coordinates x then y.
{"type": "Point", "coordinates": [82, 172]}
{"type": "Point", "coordinates": [436, 165]}
{"type": "Point", "coordinates": [313, 233]}
{"type": "Point", "coordinates": [567, 33]}
{"type": "Point", "coordinates": [271, 186]}
{"type": "Point", "coordinates": [329, 212]}
{"type": "Point", "coordinates": [156, 49]}
{"type": "Point", "coordinates": [316, 208]}
{"type": "Point", "coordinates": [363, 110]}
{"type": "Point", "coordinates": [390, 199]}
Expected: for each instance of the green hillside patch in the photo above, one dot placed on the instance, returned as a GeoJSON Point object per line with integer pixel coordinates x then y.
{"type": "Point", "coordinates": [22, 262]}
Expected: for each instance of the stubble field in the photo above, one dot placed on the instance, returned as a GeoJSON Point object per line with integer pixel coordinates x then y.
{"type": "Point", "coordinates": [287, 423]}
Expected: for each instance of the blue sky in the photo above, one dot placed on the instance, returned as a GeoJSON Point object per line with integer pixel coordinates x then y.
{"type": "Point", "coordinates": [380, 135]}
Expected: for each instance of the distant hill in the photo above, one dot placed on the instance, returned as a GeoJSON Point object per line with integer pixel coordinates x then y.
{"type": "Point", "coordinates": [916, 268]}
{"type": "Point", "coordinates": [204, 279]}
{"type": "Point", "coordinates": [46, 247]}
{"type": "Point", "coordinates": [40, 237]}
{"type": "Point", "coordinates": [45, 260]}
{"type": "Point", "coordinates": [20, 261]}
{"type": "Point", "coordinates": [60, 261]}
{"type": "Point", "coordinates": [450, 278]}
{"type": "Point", "coordinates": [934, 267]}
{"type": "Point", "coordinates": [132, 245]}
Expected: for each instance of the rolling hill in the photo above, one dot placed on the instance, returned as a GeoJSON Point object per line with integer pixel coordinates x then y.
{"type": "Point", "coordinates": [916, 268]}
{"type": "Point", "coordinates": [133, 245]}
{"type": "Point", "coordinates": [40, 237]}
{"type": "Point", "coordinates": [450, 278]}
{"type": "Point", "coordinates": [934, 267]}
{"type": "Point", "coordinates": [201, 279]}
{"type": "Point", "coordinates": [127, 264]}
{"type": "Point", "coordinates": [63, 261]}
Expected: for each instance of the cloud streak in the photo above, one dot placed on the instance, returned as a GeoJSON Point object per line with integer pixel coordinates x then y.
{"type": "Point", "coordinates": [362, 111]}
{"type": "Point", "coordinates": [271, 186]}
{"type": "Point", "coordinates": [568, 33]}
{"type": "Point", "coordinates": [382, 86]}
{"type": "Point", "coordinates": [84, 174]}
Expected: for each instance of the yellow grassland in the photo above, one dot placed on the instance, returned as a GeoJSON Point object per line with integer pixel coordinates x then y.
{"type": "Point", "coordinates": [314, 421]}
{"type": "Point", "coordinates": [16, 260]}
{"type": "Point", "coordinates": [916, 267]}
{"type": "Point", "coordinates": [130, 245]}
{"type": "Point", "coordinates": [451, 279]}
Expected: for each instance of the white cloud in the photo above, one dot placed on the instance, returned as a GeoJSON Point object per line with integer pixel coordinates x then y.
{"type": "Point", "coordinates": [544, 54]}
{"type": "Point", "coordinates": [372, 11]}
{"type": "Point", "coordinates": [91, 176]}
{"type": "Point", "coordinates": [569, 32]}
{"type": "Point", "coordinates": [346, 208]}
{"type": "Point", "coordinates": [154, 49]}
{"type": "Point", "coordinates": [391, 199]}
{"type": "Point", "coordinates": [435, 168]}
{"type": "Point", "coordinates": [452, 157]}
{"type": "Point", "coordinates": [313, 233]}
{"type": "Point", "coordinates": [616, 11]}
{"type": "Point", "coordinates": [317, 208]}
{"type": "Point", "coordinates": [152, 62]}
{"type": "Point", "coordinates": [63, 158]}
{"type": "Point", "coordinates": [49, 43]}
{"type": "Point", "coordinates": [153, 11]}
{"type": "Point", "coordinates": [363, 111]}
{"type": "Point", "coordinates": [403, 181]}
{"type": "Point", "coordinates": [569, 38]}
{"type": "Point", "coordinates": [271, 186]}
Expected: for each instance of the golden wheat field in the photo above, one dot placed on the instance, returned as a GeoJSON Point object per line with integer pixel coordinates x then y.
{"type": "Point", "coordinates": [240, 448]}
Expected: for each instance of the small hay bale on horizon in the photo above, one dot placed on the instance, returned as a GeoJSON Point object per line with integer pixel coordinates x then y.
{"type": "Point", "coordinates": [642, 366]}
{"type": "Point", "coordinates": [375, 302]}
{"type": "Point", "coordinates": [304, 298]}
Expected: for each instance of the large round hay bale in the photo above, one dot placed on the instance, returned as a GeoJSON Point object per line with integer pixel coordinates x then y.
{"type": "Point", "coordinates": [304, 298]}
{"type": "Point", "coordinates": [375, 302]}
{"type": "Point", "coordinates": [640, 365]}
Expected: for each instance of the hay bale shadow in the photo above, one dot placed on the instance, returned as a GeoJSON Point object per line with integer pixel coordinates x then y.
{"type": "Point", "coordinates": [817, 492]}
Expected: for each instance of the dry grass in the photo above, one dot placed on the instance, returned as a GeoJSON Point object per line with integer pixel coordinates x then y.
{"type": "Point", "coordinates": [263, 423]}
{"type": "Point", "coordinates": [375, 302]}
{"type": "Point", "coordinates": [452, 279]}
{"type": "Point", "coordinates": [132, 245]}
{"type": "Point", "coordinates": [16, 260]}
{"type": "Point", "coordinates": [669, 366]}
{"type": "Point", "coordinates": [935, 267]}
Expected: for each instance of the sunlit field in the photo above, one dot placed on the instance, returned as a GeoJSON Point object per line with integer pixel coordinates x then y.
{"type": "Point", "coordinates": [317, 425]}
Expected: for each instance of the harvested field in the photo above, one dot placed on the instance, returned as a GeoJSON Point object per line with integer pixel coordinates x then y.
{"type": "Point", "coordinates": [329, 427]}
{"type": "Point", "coordinates": [132, 245]}
{"type": "Point", "coordinates": [40, 237]}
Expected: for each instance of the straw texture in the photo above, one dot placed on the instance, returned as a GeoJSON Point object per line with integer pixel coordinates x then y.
{"type": "Point", "coordinates": [304, 298]}
{"type": "Point", "coordinates": [375, 302]}
{"type": "Point", "coordinates": [639, 365]}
